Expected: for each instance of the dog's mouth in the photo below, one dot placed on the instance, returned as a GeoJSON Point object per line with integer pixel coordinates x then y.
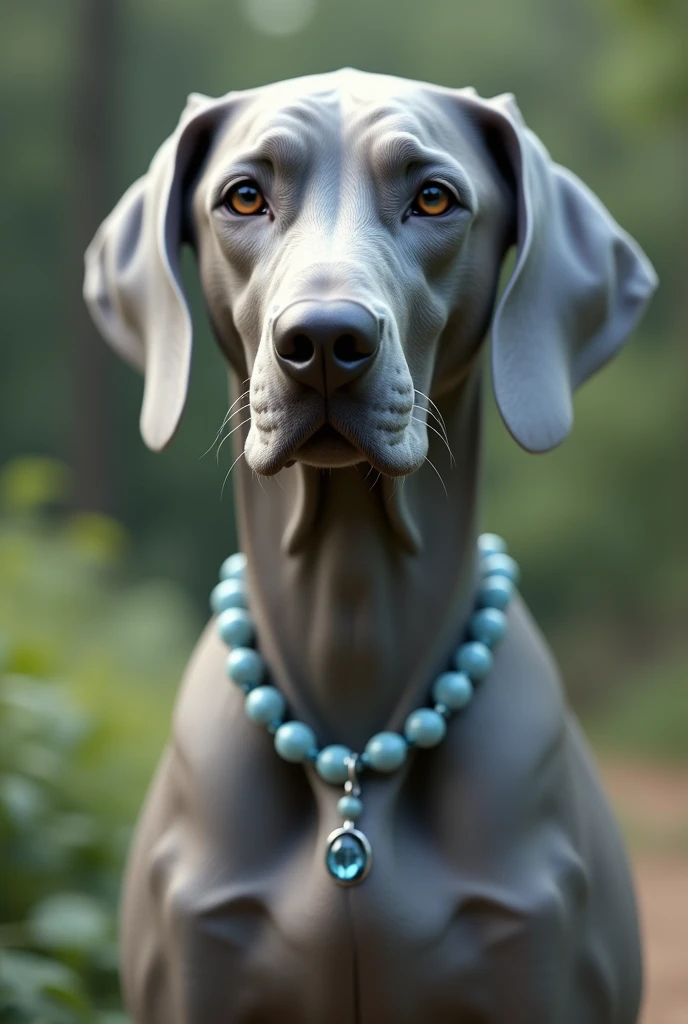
{"type": "Point", "coordinates": [327, 448]}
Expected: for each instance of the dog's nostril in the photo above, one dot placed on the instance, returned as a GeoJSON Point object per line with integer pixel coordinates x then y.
{"type": "Point", "coordinates": [299, 349]}
{"type": "Point", "coordinates": [346, 349]}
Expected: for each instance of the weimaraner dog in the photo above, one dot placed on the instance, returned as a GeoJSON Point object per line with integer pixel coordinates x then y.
{"type": "Point", "coordinates": [350, 230]}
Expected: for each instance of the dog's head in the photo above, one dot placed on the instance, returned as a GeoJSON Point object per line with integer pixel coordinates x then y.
{"type": "Point", "coordinates": [350, 230]}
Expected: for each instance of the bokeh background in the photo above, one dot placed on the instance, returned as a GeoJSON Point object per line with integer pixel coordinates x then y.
{"type": "Point", "coordinates": [107, 552]}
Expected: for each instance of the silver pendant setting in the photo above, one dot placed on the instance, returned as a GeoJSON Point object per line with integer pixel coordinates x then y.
{"type": "Point", "coordinates": [349, 855]}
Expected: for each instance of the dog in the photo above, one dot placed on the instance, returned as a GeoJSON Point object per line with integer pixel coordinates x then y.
{"type": "Point", "coordinates": [350, 230]}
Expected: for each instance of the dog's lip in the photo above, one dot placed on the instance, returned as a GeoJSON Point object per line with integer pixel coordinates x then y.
{"type": "Point", "coordinates": [325, 437]}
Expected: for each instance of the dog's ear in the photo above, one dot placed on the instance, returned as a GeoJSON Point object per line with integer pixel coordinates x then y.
{"type": "Point", "coordinates": [132, 284]}
{"type": "Point", "coordinates": [579, 285]}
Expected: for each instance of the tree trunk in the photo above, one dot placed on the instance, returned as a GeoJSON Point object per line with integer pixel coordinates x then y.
{"type": "Point", "coordinates": [92, 103]}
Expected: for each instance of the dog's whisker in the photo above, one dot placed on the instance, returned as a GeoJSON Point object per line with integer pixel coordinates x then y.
{"type": "Point", "coordinates": [237, 412]}
{"type": "Point", "coordinates": [374, 483]}
{"type": "Point", "coordinates": [441, 436]}
{"type": "Point", "coordinates": [224, 423]}
{"type": "Point", "coordinates": [227, 436]}
{"type": "Point", "coordinates": [429, 412]}
{"type": "Point", "coordinates": [439, 476]}
{"type": "Point", "coordinates": [256, 476]}
{"type": "Point", "coordinates": [433, 405]}
{"type": "Point", "coordinates": [224, 482]}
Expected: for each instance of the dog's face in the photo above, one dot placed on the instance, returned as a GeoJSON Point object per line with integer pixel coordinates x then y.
{"type": "Point", "coordinates": [340, 229]}
{"type": "Point", "coordinates": [350, 230]}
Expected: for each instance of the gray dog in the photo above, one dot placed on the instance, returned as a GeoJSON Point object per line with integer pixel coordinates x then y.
{"type": "Point", "coordinates": [350, 230]}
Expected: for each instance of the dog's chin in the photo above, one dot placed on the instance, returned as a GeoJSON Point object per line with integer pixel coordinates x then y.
{"type": "Point", "coordinates": [328, 449]}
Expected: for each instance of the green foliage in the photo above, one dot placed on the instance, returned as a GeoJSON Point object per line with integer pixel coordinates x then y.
{"type": "Point", "coordinates": [89, 663]}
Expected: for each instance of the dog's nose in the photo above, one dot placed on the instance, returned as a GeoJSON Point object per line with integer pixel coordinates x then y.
{"type": "Point", "coordinates": [326, 344]}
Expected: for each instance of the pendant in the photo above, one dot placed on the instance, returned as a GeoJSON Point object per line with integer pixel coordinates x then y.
{"type": "Point", "coordinates": [349, 856]}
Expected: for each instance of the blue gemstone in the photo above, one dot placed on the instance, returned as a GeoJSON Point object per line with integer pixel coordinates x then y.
{"type": "Point", "coordinates": [453, 689]}
{"type": "Point", "coordinates": [501, 565]}
{"type": "Point", "coordinates": [349, 807]}
{"type": "Point", "coordinates": [245, 666]}
{"type": "Point", "coordinates": [265, 705]}
{"type": "Point", "coordinates": [294, 741]}
{"type": "Point", "coordinates": [235, 626]}
{"type": "Point", "coordinates": [425, 727]}
{"type": "Point", "coordinates": [332, 764]}
{"type": "Point", "coordinates": [491, 544]}
{"type": "Point", "coordinates": [386, 751]}
{"type": "Point", "coordinates": [234, 567]}
{"type": "Point", "coordinates": [488, 625]}
{"type": "Point", "coordinates": [228, 594]}
{"type": "Point", "coordinates": [347, 858]}
{"type": "Point", "coordinates": [474, 659]}
{"type": "Point", "coordinates": [495, 592]}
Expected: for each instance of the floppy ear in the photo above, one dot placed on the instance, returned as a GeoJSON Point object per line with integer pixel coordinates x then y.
{"type": "Point", "coordinates": [579, 286]}
{"type": "Point", "coordinates": [132, 285]}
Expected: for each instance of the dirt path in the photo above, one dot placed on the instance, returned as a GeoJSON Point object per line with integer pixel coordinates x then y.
{"type": "Point", "coordinates": [653, 806]}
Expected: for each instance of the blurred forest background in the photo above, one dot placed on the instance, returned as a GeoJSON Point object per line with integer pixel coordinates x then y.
{"type": "Point", "coordinates": [107, 552]}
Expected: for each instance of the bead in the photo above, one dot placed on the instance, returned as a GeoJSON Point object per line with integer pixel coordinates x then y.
{"type": "Point", "coordinates": [264, 704]}
{"type": "Point", "coordinates": [228, 594]}
{"type": "Point", "coordinates": [425, 728]}
{"type": "Point", "coordinates": [350, 807]}
{"type": "Point", "coordinates": [331, 764]}
{"type": "Point", "coordinates": [501, 565]}
{"type": "Point", "coordinates": [235, 626]}
{"type": "Point", "coordinates": [295, 742]}
{"type": "Point", "coordinates": [488, 625]}
{"type": "Point", "coordinates": [453, 689]}
{"type": "Point", "coordinates": [491, 544]}
{"type": "Point", "coordinates": [386, 751]}
{"type": "Point", "coordinates": [347, 859]}
{"type": "Point", "coordinates": [474, 659]}
{"type": "Point", "coordinates": [495, 592]}
{"type": "Point", "coordinates": [234, 567]}
{"type": "Point", "coordinates": [245, 666]}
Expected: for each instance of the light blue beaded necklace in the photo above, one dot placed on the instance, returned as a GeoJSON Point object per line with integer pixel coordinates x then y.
{"type": "Point", "coordinates": [348, 854]}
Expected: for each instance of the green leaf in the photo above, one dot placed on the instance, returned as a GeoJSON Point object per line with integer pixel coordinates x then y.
{"type": "Point", "coordinates": [70, 921]}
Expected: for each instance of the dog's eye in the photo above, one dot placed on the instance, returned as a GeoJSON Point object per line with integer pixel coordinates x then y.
{"type": "Point", "coordinates": [433, 200]}
{"type": "Point", "coordinates": [246, 199]}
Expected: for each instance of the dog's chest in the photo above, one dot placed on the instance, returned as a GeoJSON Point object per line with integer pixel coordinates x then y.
{"type": "Point", "coordinates": [263, 933]}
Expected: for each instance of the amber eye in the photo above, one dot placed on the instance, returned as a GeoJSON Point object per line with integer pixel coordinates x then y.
{"type": "Point", "coordinates": [432, 200]}
{"type": "Point", "coordinates": [246, 199]}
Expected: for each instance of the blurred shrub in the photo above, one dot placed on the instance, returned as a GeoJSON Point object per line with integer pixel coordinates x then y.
{"type": "Point", "coordinates": [89, 662]}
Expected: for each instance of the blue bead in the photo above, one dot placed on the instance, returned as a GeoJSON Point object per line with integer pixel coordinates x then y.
{"type": "Point", "coordinates": [331, 764]}
{"type": "Point", "coordinates": [264, 705]}
{"type": "Point", "coordinates": [234, 567]}
{"type": "Point", "coordinates": [453, 689]}
{"type": "Point", "coordinates": [346, 858]}
{"type": "Point", "coordinates": [386, 751]}
{"type": "Point", "coordinates": [495, 592]}
{"type": "Point", "coordinates": [228, 594]}
{"type": "Point", "coordinates": [245, 666]}
{"type": "Point", "coordinates": [488, 625]}
{"type": "Point", "coordinates": [425, 728]}
{"type": "Point", "coordinates": [235, 627]}
{"type": "Point", "coordinates": [501, 565]}
{"type": "Point", "coordinates": [350, 807]}
{"type": "Point", "coordinates": [491, 544]}
{"type": "Point", "coordinates": [294, 741]}
{"type": "Point", "coordinates": [474, 659]}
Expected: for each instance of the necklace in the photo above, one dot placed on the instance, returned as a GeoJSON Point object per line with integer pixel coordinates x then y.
{"type": "Point", "coordinates": [348, 854]}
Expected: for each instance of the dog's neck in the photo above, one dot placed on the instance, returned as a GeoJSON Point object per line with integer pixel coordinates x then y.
{"type": "Point", "coordinates": [352, 624]}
